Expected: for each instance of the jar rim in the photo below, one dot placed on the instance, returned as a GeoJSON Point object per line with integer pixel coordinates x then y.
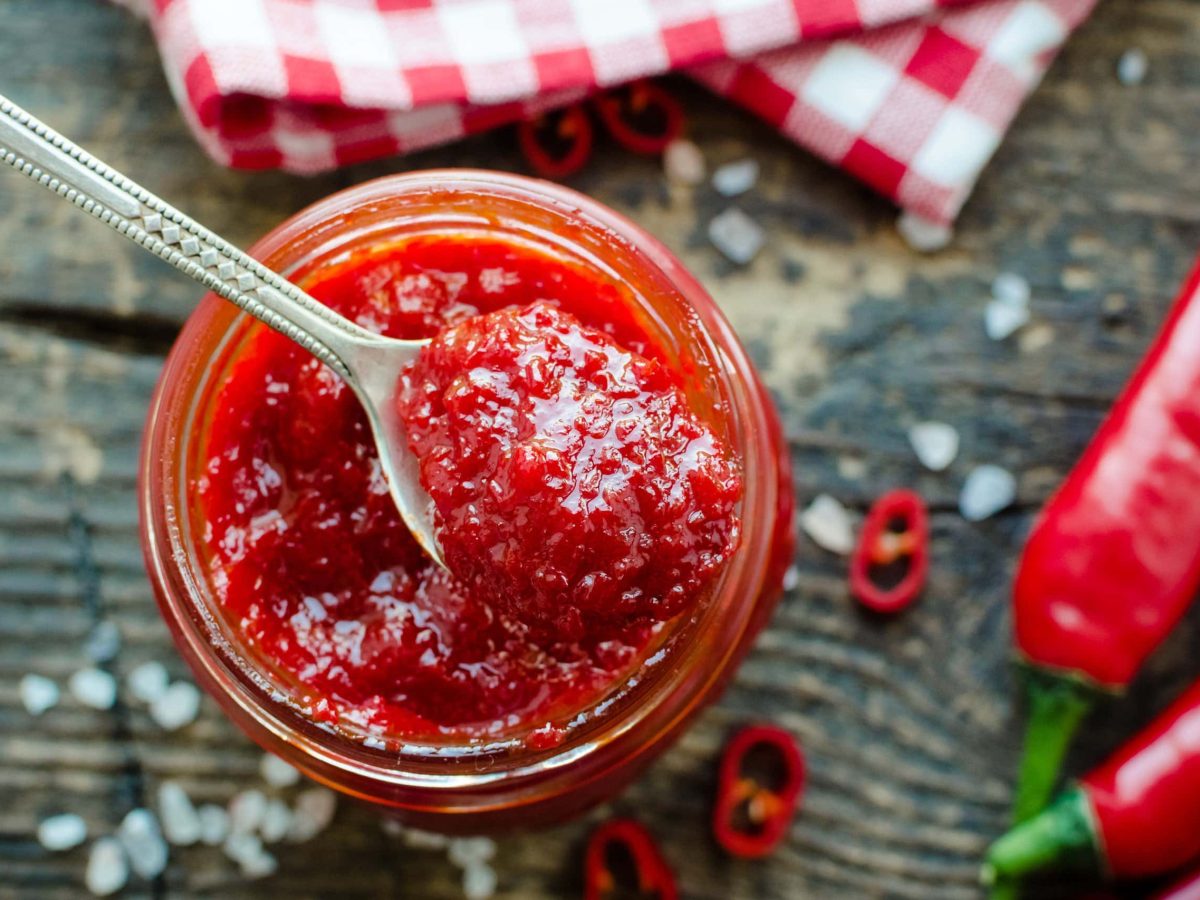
{"type": "Point", "coordinates": [194, 625]}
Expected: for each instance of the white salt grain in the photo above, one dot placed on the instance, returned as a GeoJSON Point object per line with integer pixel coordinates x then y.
{"type": "Point", "coordinates": [276, 822]}
{"type": "Point", "coordinates": [260, 865]}
{"type": "Point", "coordinates": [987, 490]}
{"type": "Point", "coordinates": [922, 234]}
{"type": "Point", "coordinates": [142, 839]}
{"type": "Point", "coordinates": [1009, 287]}
{"type": "Point", "coordinates": [107, 869]}
{"type": "Point", "coordinates": [791, 578]}
{"type": "Point", "coordinates": [479, 881]}
{"type": "Point", "coordinates": [62, 832]}
{"type": "Point", "coordinates": [276, 772]}
{"type": "Point", "coordinates": [312, 813]}
{"type": "Point", "coordinates": [214, 824]}
{"type": "Point", "coordinates": [828, 524]}
{"type": "Point", "coordinates": [246, 811]}
{"type": "Point", "coordinates": [736, 235]}
{"type": "Point", "coordinates": [180, 821]}
{"type": "Point", "coordinates": [38, 694]}
{"type": "Point", "coordinates": [1132, 67]}
{"type": "Point", "coordinates": [683, 162]}
{"type": "Point", "coordinates": [177, 707]}
{"type": "Point", "coordinates": [94, 687]}
{"type": "Point", "coordinates": [935, 443]}
{"type": "Point", "coordinates": [735, 178]}
{"type": "Point", "coordinates": [464, 852]}
{"type": "Point", "coordinates": [242, 847]}
{"type": "Point", "coordinates": [148, 681]}
{"type": "Point", "coordinates": [1002, 319]}
{"type": "Point", "coordinates": [424, 840]}
{"type": "Point", "coordinates": [103, 643]}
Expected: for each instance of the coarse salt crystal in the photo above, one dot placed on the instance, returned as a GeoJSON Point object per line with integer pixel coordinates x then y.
{"type": "Point", "coordinates": [246, 810]}
{"type": "Point", "coordinates": [276, 772]}
{"type": "Point", "coordinates": [935, 443]}
{"type": "Point", "coordinates": [1002, 319]}
{"type": "Point", "coordinates": [922, 234]}
{"type": "Point", "coordinates": [180, 821]}
{"type": "Point", "coordinates": [148, 681]}
{"type": "Point", "coordinates": [103, 643]}
{"type": "Point", "coordinates": [276, 822]}
{"type": "Point", "coordinates": [987, 490]}
{"type": "Point", "coordinates": [247, 851]}
{"type": "Point", "coordinates": [38, 694]}
{"type": "Point", "coordinates": [142, 839]}
{"type": "Point", "coordinates": [479, 881]}
{"type": "Point", "coordinates": [736, 235]}
{"type": "Point", "coordinates": [465, 851]}
{"type": "Point", "coordinates": [177, 707]}
{"type": "Point", "coordinates": [94, 687]}
{"type": "Point", "coordinates": [683, 162]}
{"type": "Point", "coordinates": [312, 813]}
{"type": "Point", "coordinates": [424, 840]}
{"type": "Point", "coordinates": [62, 832]}
{"type": "Point", "coordinates": [214, 824]}
{"type": "Point", "coordinates": [735, 178]}
{"type": "Point", "coordinates": [107, 869]}
{"type": "Point", "coordinates": [791, 578]}
{"type": "Point", "coordinates": [1132, 67]}
{"type": "Point", "coordinates": [1009, 287]}
{"type": "Point", "coordinates": [260, 865]}
{"type": "Point", "coordinates": [828, 524]}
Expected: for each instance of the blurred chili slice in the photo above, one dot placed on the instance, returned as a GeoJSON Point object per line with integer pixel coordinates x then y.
{"type": "Point", "coordinates": [891, 560]}
{"type": "Point", "coordinates": [642, 117]}
{"type": "Point", "coordinates": [557, 144]}
{"type": "Point", "coordinates": [758, 787]}
{"type": "Point", "coordinates": [623, 860]}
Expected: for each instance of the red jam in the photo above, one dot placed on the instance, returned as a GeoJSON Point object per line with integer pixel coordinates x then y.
{"type": "Point", "coordinates": [315, 569]}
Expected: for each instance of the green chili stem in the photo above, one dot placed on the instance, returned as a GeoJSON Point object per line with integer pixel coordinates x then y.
{"type": "Point", "coordinates": [1062, 838]}
{"type": "Point", "coordinates": [1057, 706]}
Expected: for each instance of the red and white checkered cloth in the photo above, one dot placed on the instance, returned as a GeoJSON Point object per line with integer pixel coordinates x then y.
{"type": "Point", "coordinates": [911, 96]}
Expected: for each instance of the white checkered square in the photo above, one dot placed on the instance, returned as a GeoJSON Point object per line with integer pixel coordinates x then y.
{"type": "Point", "coordinates": [957, 149]}
{"type": "Point", "coordinates": [604, 22]}
{"type": "Point", "coordinates": [482, 32]}
{"type": "Point", "coordinates": [1030, 30]}
{"type": "Point", "coordinates": [354, 37]}
{"type": "Point", "coordinates": [849, 85]}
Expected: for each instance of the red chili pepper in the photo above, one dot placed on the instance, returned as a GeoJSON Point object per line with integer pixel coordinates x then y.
{"type": "Point", "coordinates": [750, 819]}
{"type": "Point", "coordinates": [557, 144]}
{"type": "Point", "coordinates": [650, 870]}
{"type": "Point", "coordinates": [1114, 559]}
{"type": "Point", "coordinates": [1136, 815]}
{"type": "Point", "coordinates": [881, 544]}
{"type": "Point", "coordinates": [641, 117]}
{"type": "Point", "coordinates": [1188, 888]}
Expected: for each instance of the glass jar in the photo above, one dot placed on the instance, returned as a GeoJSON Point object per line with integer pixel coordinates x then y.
{"type": "Point", "coordinates": [473, 787]}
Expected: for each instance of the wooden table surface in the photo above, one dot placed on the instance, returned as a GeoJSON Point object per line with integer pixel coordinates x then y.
{"type": "Point", "coordinates": [909, 725]}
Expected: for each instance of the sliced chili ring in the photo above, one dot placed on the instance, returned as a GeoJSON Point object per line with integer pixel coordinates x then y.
{"type": "Point", "coordinates": [559, 143]}
{"type": "Point", "coordinates": [650, 870]}
{"type": "Point", "coordinates": [642, 117]}
{"type": "Point", "coordinates": [882, 543]}
{"type": "Point", "coordinates": [750, 819]}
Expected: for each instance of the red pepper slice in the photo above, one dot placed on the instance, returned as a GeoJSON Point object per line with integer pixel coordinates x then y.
{"type": "Point", "coordinates": [557, 144]}
{"type": "Point", "coordinates": [750, 819]}
{"type": "Point", "coordinates": [881, 544]}
{"type": "Point", "coordinates": [642, 117]}
{"type": "Point", "coordinates": [653, 875]}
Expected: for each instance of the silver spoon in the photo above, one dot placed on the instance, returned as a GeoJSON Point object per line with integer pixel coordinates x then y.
{"type": "Point", "coordinates": [368, 362]}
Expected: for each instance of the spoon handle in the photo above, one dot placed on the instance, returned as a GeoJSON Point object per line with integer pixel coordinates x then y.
{"type": "Point", "coordinates": [36, 150]}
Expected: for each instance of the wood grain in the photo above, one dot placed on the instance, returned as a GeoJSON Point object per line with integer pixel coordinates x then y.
{"type": "Point", "coordinates": [909, 724]}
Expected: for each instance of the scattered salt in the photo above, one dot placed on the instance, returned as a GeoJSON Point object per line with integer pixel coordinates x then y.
{"type": "Point", "coordinates": [791, 578]}
{"type": "Point", "coordinates": [246, 811]}
{"type": "Point", "coordinates": [479, 881]}
{"type": "Point", "coordinates": [94, 687]}
{"type": "Point", "coordinates": [180, 821]}
{"type": "Point", "coordinates": [922, 234]}
{"type": "Point", "coordinates": [827, 522]}
{"type": "Point", "coordinates": [276, 822]}
{"type": "Point", "coordinates": [177, 706]}
{"type": "Point", "coordinates": [214, 824]}
{"type": "Point", "coordinates": [735, 178]}
{"type": "Point", "coordinates": [935, 443]}
{"type": "Point", "coordinates": [107, 869]}
{"type": "Point", "coordinates": [148, 681]}
{"type": "Point", "coordinates": [247, 851]}
{"type": "Point", "coordinates": [260, 865]}
{"type": "Point", "coordinates": [1009, 287]}
{"type": "Point", "coordinates": [142, 839]}
{"type": "Point", "coordinates": [1132, 67]}
{"type": "Point", "coordinates": [103, 643]}
{"type": "Point", "coordinates": [683, 162]}
{"type": "Point", "coordinates": [38, 694]}
{"type": "Point", "coordinates": [62, 832]}
{"type": "Point", "coordinates": [987, 490]}
{"type": "Point", "coordinates": [276, 772]}
{"type": "Point", "coordinates": [312, 814]}
{"type": "Point", "coordinates": [736, 235]}
{"type": "Point", "coordinates": [464, 852]}
{"type": "Point", "coordinates": [1002, 319]}
{"type": "Point", "coordinates": [424, 840]}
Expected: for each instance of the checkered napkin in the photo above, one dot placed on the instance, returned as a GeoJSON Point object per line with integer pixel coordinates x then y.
{"type": "Point", "coordinates": [911, 96]}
